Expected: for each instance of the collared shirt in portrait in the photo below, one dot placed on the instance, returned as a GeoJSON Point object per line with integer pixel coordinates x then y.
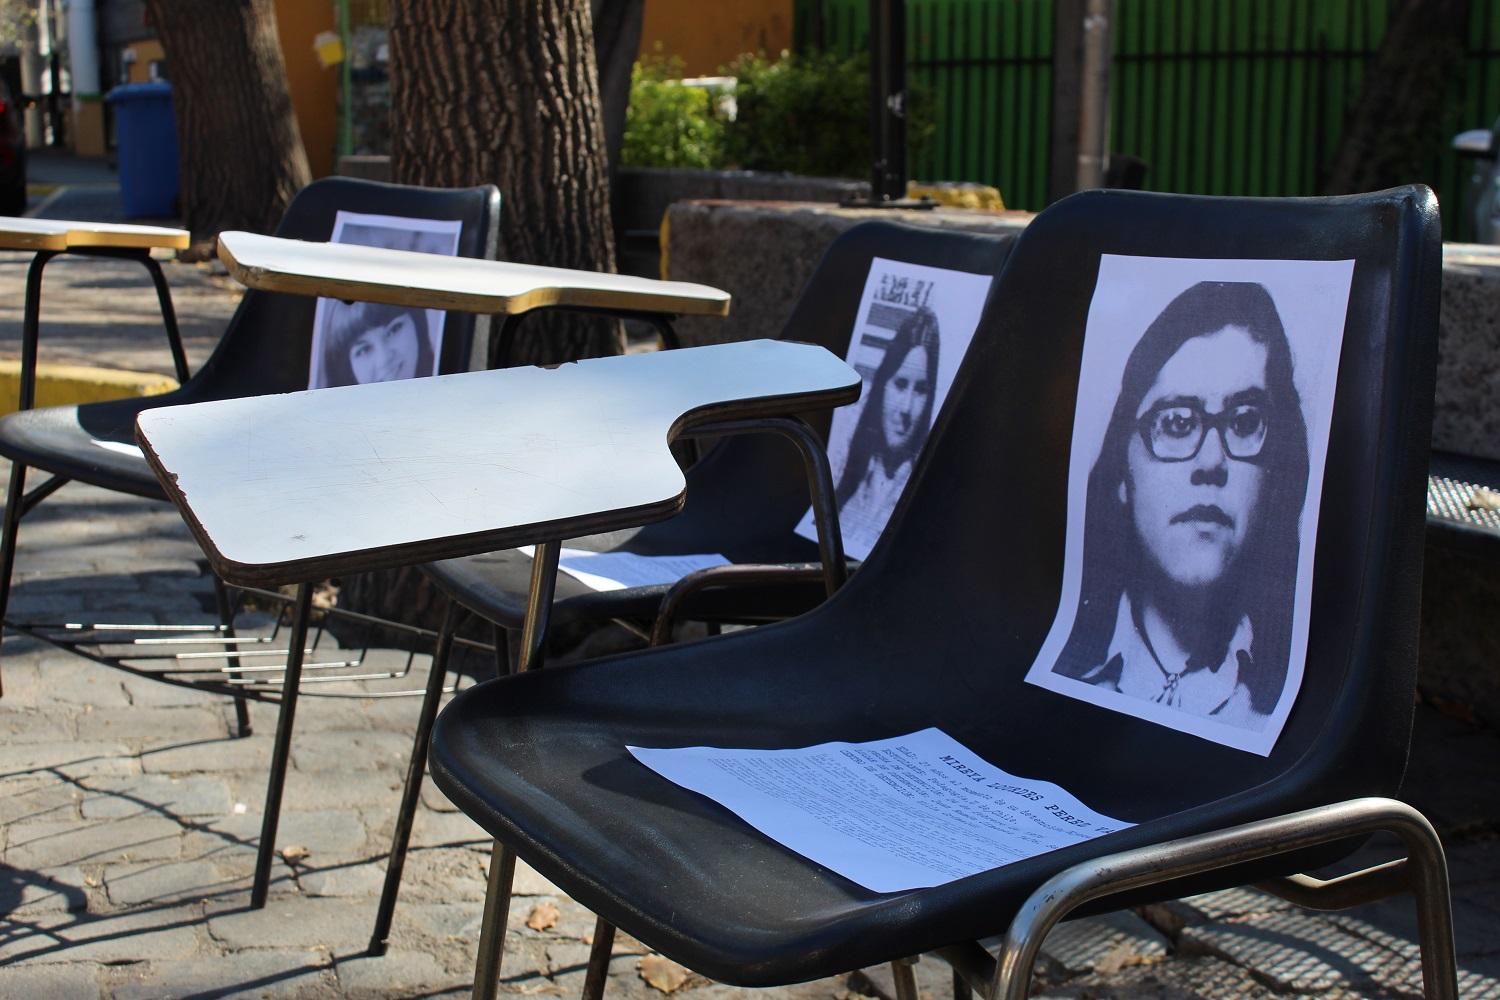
{"type": "Point", "coordinates": [1215, 691]}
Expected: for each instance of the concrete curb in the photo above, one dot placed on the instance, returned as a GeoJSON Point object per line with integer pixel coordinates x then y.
{"type": "Point", "coordinates": [65, 385]}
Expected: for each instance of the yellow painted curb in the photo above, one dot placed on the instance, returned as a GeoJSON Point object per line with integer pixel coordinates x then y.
{"type": "Point", "coordinates": [67, 385]}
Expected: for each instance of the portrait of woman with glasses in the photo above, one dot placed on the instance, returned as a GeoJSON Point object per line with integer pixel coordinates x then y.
{"type": "Point", "coordinates": [1191, 530]}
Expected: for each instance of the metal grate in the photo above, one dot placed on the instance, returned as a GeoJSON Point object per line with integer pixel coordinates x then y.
{"type": "Point", "coordinates": [1451, 500]}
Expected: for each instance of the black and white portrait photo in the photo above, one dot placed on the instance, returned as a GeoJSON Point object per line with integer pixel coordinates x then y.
{"type": "Point", "coordinates": [358, 342]}
{"type": "Point", "coordinates": [1199, 440]}
{"type": "Point", "coordinates": [915, 323]}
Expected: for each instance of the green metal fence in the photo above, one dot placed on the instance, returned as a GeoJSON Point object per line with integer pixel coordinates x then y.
{"type": "Point", "coordinates": [1217, 96]}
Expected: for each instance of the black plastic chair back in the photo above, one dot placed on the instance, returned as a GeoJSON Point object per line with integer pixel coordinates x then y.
{"type": "Point", "coordinates": [749, 492]}
{"type": "Point", "coordinates": [266, 346]}
{"type": "Point", "coordinates": [974, 557]}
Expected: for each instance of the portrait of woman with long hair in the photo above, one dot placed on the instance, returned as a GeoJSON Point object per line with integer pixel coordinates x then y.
{"type": "Point", "coordinates": [1191, 543]}
{"type": "Point", "coordinates": [894, 423]}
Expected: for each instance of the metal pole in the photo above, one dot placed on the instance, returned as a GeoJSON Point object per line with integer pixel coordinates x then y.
{"type": "Point", "coordinates": [346, 85]}
{"type": "Point", "coordinates": [1093, 103]}
{"type": "Point", "coordinates": [888, 98]}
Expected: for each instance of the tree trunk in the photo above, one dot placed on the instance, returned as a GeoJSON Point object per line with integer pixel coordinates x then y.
{"type": "Point", "coordinates": [240, 151]}
{"type": "Point", "coordinates": [1401, 114]}
{"type": "Point", "coordinates": [506, 92]}
{"type": "Point", "coordinates": [617, 42]}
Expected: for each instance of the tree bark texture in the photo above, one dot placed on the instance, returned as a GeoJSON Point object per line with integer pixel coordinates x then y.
{"type": "Point", "coordinates": [506, 92]}
{"type": "Point", "coordinates": [240, 151]}
{"type": "Point", "coordinates": [1401, 115]}
{"type": "Point", "coordinates": [617, 41]}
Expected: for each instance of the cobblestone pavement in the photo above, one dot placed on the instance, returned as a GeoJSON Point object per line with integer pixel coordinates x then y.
{"type": "Point", "coordinates": [129, 814]}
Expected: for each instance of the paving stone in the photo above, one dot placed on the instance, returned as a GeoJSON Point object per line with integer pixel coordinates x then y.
{"type": "Point", "coordinates": [53, 844]}
{"type": "Point", "coordinates": [1295, 951]}
{"type": "Point", "coordinates": [60, 681]}
{"type": "Point", "coordinates": [236, 859]}
{"type": "Point", "coordinates": [328, 834]}
{"type": "Point", "coordinates": [20, 724]}
{"type": "Point", "coordinates": [448, 830]}
{"type": "Point", "coordinates": [302, 973]}
{"type": "Point", "coordinates": [169, 932]}
{"type": "Point", "coordinates": [529, 882]}
{"type": "Point", "coordinates": [292, 923]}
{"type": "Point", "coordinates": [625, 981]}
{"type": "Point", "coordinates": [574, 922]}
{"type": "Point", "coordinates": [439, 921]}
{"type": "Point", "coordinates": [250, 753]}
{"type": "Point", "coordinates": [50, 890]}
{"type": "Point", "coordinates": [444, 875]}
{"type": "Point", "coordinates": [433, 798]}
{"type": "Point", "coordinates": [346, 880]}
{"type": "Point", "coordinates": [147, 693]}
{"type": "Point", "coordinates": [350, 751]}
{"type": "Point", "coordinates": [50, 982]}
{"type": "Point", "coordinates": [67, 758]}
{"type": "Point", "coordinates": [106, 798]}
{"type": "Point", "coordinates": [396, 973]}
{"type": "Point", "coordinates": [38, 797]}
{"type": "Point", "coordinates": [372, 790]}
{"type": "Point", "coordinates": [156, 725]}
{"type": "Point", "coordinates": [169, 881]}
{"type": "Point", "coordinates": [316, 715]}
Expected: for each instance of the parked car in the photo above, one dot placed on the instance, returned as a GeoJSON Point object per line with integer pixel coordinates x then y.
{"type": "Point", "coordinates": [12, 156]}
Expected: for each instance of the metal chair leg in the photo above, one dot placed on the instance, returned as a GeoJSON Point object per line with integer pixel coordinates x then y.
{"type": "Point", "coordinates": [496, 916]}
{"type": "Point", "coordinates": [412, 792]}
{"type": "Point", "coordinates": [168, 316]}
{"type": "Point", "coordinates": [282, 750]}
{"type": "Point", "coordinates": [503, 859]}
{"type": "Point", "coordinates": [1426, 878]}
{"type": "Point", "coordinates": [226, 618]}
{"type": "Point", "coordinates": [903, 972]}
{"type": "Point", "coordinates": [501, 638]}
{"type": "Point", "coordinates": [961, 990]}
{"type": "Point", "coordinates": [13, 503]}
{"type": "Point", "coordinates": [597, 976]}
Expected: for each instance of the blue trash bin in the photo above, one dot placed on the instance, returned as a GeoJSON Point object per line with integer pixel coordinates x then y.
{"type": "Point", "coordinates": [146, 135]}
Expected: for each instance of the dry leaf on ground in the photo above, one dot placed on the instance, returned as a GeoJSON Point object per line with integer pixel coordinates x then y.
{"type": "Point", "coordinates": [543, 916]}
{"type": "Point", "coordinates": [662, 973]}
{"type": "Point", "coordinates": [1483, 499]}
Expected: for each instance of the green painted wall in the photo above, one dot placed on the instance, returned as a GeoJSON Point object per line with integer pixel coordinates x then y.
{"type": "Point", "coordinates": [1242, 97]}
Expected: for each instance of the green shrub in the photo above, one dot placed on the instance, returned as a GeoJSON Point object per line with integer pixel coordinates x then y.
{"type": "Point", "coordinates": [667, 124]}
{"type": "Point", "coordinates": [801, 114]}
{"type": "Point", "coordinates": [806, 114]}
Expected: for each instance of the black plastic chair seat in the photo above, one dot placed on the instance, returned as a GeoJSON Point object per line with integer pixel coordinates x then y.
{"type": "Point", "coordinates": [495, 584]}
{"type": "Point", "coordinates": [73, 441]}
{"type": "Point", "coordinates": [706, 889]}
